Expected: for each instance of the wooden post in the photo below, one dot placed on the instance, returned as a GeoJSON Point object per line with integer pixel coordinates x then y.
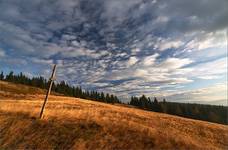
{"type": "Point", "coordinates": [226, 63]}
{"type": "Point", "coordinates": [49, 90]}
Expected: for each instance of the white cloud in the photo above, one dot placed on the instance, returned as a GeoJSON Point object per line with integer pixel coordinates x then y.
{"type": "Point", "coordinates": [175, 63]}
{"type": "Point", "coordinates": [215, 40]}
{"type": "Point", "coordinates": [163, 44]}
{"type": "Point", "coordinates": [208, 94]}
{"type": "Point", "coordinates": [123, 54]}
{"type": "Point", "coordinates": [71, 52]}
{"type": "Point", "coordinates": [135, 51]}
{"type": "Point", "coordinates": [22, 43]}
{"type": "Point", "coordinates": [2, 53]}
{"type": "Point", "coordinates": [210, 70]}
{"type": "Point", "coordinates": [148, 73]}
{"type": "Point", "coordinates": [150, 60]}
{"type": "Point", "coordinates": [42, 61]}
{"type": "Point", "coordinates": [208, 77]}
{"type": "Point", "coordinates": [161, 19]}
{"type": "Point", "coordinates": [132, 60]}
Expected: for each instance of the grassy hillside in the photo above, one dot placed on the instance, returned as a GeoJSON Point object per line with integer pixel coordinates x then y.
{"type": "Point", "coordinates": [71, 123]}
{"type": "Point", "coordinates": [10, 90]}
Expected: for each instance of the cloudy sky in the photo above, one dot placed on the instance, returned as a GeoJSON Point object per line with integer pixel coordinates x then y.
{"type": "Point", "coordinates": [165, 48]}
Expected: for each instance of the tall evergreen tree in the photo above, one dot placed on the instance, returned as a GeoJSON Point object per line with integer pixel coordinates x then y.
{"type": "Point", "coordinates": [2, 76]}
{"type": "Point", "coordinates": [10, 77]}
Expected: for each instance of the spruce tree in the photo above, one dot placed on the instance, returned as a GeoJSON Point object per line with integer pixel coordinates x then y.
{"type": "Point", "coordinates": [156, 105]}
{"type": "Point", "coordinates": [10, 77]}
{"type": "Point", "coordinates": [2, 76]}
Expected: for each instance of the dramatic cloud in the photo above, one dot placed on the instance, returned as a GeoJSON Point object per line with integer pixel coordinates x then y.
{"type": "Point", "coordinates": [134, 47]}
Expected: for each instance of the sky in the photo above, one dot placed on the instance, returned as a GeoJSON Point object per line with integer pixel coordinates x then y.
{"type": "Point", "coordinates": [173, 49]}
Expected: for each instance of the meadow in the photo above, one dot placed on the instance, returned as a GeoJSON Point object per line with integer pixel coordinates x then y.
{"type": "Point", "coordinates": [73, 123]}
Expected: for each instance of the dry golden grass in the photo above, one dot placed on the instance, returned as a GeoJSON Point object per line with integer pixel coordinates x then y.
{"type": "Point", "coordinates": [71, 123]}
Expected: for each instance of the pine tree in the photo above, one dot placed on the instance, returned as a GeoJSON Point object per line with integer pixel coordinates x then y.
{"type": "Point", "coordinates": [164, 100]}
{"type": "Point", "coordinates": [2, 76]}
{"type": "Point", "coordinates": [155, 101]}
{"type": "Point", "coordinates": [107, 98]}
{"type": "Point", "coordinates": [102, 98]}
{"type": "Point", "coordinates": [143, 101]}
{"type": "Point", "coordinates": [156, 105]}
{"type": "Point", "coordinates": [10, 77]}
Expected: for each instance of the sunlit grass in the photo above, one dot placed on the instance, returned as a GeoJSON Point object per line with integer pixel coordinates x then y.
{"type": "Point", "coordinates": [100, 125]}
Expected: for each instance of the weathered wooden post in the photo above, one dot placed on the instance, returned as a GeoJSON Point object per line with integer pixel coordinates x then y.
{"type": "Point", "coordinates": [49, 90]}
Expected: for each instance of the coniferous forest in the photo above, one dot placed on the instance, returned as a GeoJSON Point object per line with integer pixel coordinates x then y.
{"type": "Point", "coordinates": [62, 87]}
{"type": "Point", "coordinates": [212, 113]}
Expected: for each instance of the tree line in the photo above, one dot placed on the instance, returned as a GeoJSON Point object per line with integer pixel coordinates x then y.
{"type": "Point", "coordinates": [212, 113]}
{"type": "Point", "coordinates": [62, 87]}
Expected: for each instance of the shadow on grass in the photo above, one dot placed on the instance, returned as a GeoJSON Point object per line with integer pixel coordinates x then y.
{"type": "Point", "coordinates": [20, 130]}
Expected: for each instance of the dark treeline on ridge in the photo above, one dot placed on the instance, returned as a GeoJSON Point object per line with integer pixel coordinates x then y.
{"type": "Point", "coordinates": [212, 113]}
{"type": "Point", "coordinates": [62, 88]}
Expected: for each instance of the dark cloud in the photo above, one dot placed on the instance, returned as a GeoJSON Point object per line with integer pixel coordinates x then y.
{"type": "Point", "coordinates": [119, 46]}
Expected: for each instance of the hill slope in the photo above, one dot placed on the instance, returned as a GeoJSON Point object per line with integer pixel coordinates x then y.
{"type": "Point", "coordinates": [83, 124]}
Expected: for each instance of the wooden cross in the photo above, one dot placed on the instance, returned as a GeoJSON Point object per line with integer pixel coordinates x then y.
{"type": "Point", "coordinates": [49, 90]}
